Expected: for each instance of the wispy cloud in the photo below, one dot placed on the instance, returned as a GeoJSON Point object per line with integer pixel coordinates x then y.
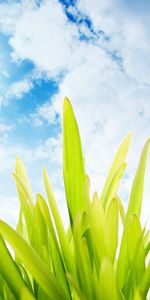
{"type": "Point", "coordinates": [18, 89]}
{"type": "Point", "coordinates": [5, 128]}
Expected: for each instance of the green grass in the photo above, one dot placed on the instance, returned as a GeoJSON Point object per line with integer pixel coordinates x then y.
{"type": "Point", "coordinates": [88, 261]}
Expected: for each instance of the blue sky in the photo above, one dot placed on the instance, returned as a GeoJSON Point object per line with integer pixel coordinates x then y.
{"type": "Point", "coordinates": [94, 52]}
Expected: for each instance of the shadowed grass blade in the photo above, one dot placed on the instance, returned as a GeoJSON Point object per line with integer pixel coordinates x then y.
{"type": "Point", "coordinates": [32, 262]}
{"type": "Point", "coordinates": [9, 270]}
{"type": "Point", "coordinates": [67, 254]}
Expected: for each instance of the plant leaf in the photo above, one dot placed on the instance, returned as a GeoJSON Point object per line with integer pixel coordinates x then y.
{"type": "Point", "coordinates": [25, 294]}
{"type": "Point", "coordinates": [136, 195]}
{"type": "Point", "coordinates": [145, 284]}
{"type": "Point", "coordinates": [107, 282]}
{"type": "Point", "coordinates": [112, 228]}
{"type": "Point", "coordinates": [117, 162]}
{"type": "Point", "coordinates": [73, 163]}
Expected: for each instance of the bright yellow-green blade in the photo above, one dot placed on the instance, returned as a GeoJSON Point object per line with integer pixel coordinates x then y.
{"type": "Point", "coordinates": [26, 295]}
{"type": "Point", "coordinates": [147, 249]}
{"type": "Point", "coordinates": [19, 226]}
{"type": "Point", "coordinates": [123, 263]}
{"type": "Point", "coordinates": [21, 171]}
{"type": "Point", "coordinates": [56, 255]}
{"type": "Point", "coordinates": [24, 191]}
{"type": "Point", "coordinates": [77, 293]}
{"type": "Point", "coordinates": [118, 161]}
{"type": "Point", "coordinates": [26, 277]}
{"type": "Point", "coordinates": [121, 209]}
{"type": "Point", "coordinates": [145, 283]}
{"type": "Point", "coordinates": [137, 295]}
{"type": "Point", "coordinates": [136, 256]}
{"type": "Point", "coordinates": [147, 241]}
{"type": "Point", "coordinates": [39, 232]}
{"type": "Point", "coordinates": [25, 201]}
{"type": "Point", "coordinates": [113, 188]}
{"type": "Point", "coordinates": [107, 284]}
{"type": "Point", "coordinates": [83, 264]}
{"type": "Point", "coordinates": [9, 270]}
{"type": "Point", "coordinates": [98, 228]}
{"type": "Point", "coordinates": [32, 262]}
{"type": "Point", "coordinates": [73, 163]}
{"type": "Point", "coordinates": [134, 236]}
{"type": "Point", "coordinates": [58, 267]}
{"type": "Point", "coordinates": [47, 217]}
{"type": "Point", "coordinates": [136, 195]}
{"type": "Point", "coordinates": [112, 228]}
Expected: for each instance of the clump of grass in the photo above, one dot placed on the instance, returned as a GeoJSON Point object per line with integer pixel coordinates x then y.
{"type": "Point", "coordinates": [86, 262]}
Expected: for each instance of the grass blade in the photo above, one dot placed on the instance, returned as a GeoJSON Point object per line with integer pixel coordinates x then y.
{"type": "Point", "coordinates": [145, 284]}
{"type": "Point", "coordinates": [117, 162]}
{"type": "Point", "coordinates": [112, 228]}
{"type": "Point", "coordinates": [73, 163]}
{"type": "Point", "coordinates": [107, 285]}
{"type": "Point", "coordinates": [136, 195]}
{"type": "Point", "coordinates": [25, 294]}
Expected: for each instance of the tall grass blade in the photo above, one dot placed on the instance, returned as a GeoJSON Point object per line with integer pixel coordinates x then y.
{"type": "Point", "coordinates": [73, 163]}
{"type": "Point", "coordinates": [136, 196]}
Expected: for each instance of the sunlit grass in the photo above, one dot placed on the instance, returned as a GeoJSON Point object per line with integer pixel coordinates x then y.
{"type": "Point", "coordinates": [86, 262]}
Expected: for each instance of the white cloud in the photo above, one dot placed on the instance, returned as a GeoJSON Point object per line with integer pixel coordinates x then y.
{"type": "Point", "coordinates": [43, 36]}
{"type": "Point", "coordinates": [6, 74]}
{"type": "Point", "coordinates": [9, 211]}
{"type": "Point", "coordinates": [18, 89]}
{"type": "Point", "coordinates": [5, 128]}
{"type": "Point", "coordinates": [43, 113]}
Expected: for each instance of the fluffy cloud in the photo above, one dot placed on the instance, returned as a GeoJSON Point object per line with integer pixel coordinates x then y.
{"type": "Point", "coordinates": [43, 36]}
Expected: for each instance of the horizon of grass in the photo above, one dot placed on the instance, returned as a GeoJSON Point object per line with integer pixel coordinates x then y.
{"type": "Point", "coordinates": [87, 261]}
